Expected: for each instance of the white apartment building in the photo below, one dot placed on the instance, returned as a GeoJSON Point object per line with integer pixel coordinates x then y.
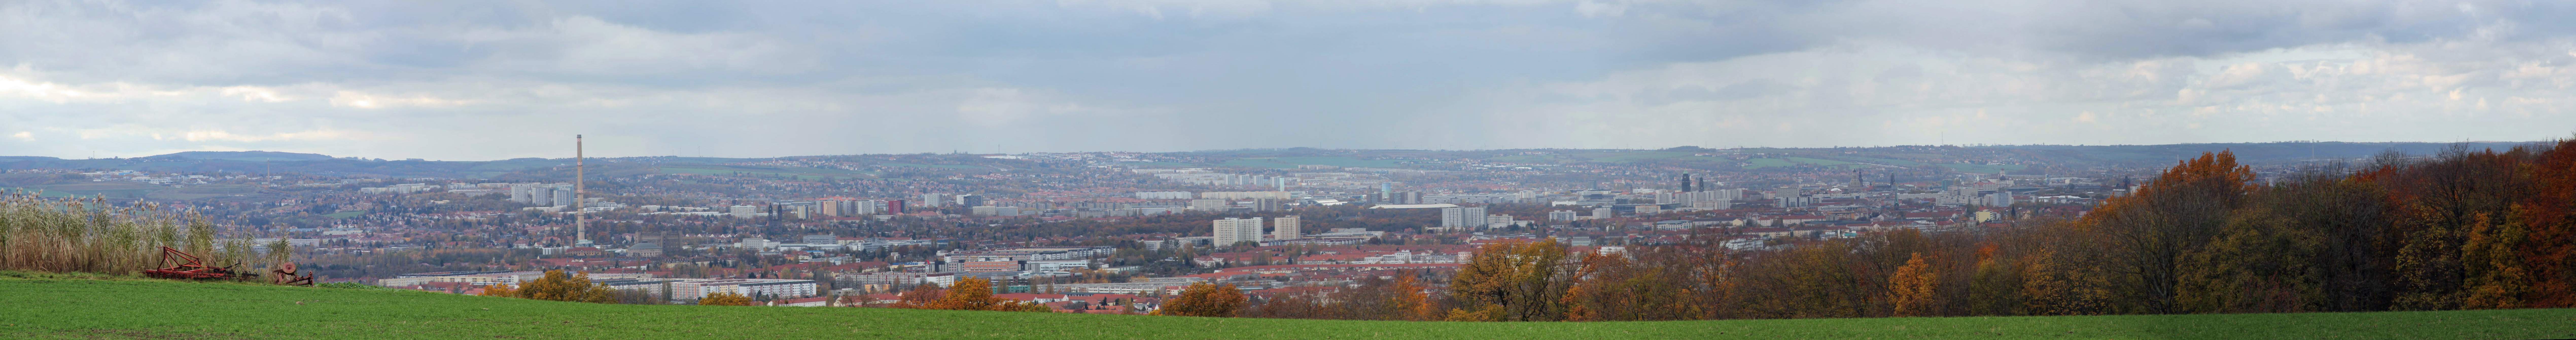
{"type": "Point", "coordinates": [1245, 195]}
{"type": "Point", "coordinates": [1163, 195]}
{"type": "Point", "coordinates": [1231, 230]}
{"type": "Point", "coordinates": [1285, 228]}
{"type": "Point", "coordinates": [1216, 205]}
{"type": "Point", "coordinates": [1462, 217]}
{"type": "Point", "coordinates": [764, 288]}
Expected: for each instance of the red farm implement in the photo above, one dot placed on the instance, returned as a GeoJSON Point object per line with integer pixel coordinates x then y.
{"type": "Point", "coordinates": [285, 275]}
{"type": "Point", "coordinates": [191, 268]}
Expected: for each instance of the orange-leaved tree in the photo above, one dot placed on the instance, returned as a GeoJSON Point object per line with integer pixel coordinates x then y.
{"type": "Point", "coordinates": [966, 294]}
{"type": "Point", "coordinates": [1511, 281]}
{"type": "Point", "coordinates": [1410, 302]}
{"type": "Point", "coordinates": [501, 290]}
{"type": "Point", "coordinates": [919, 297]}
{"type": "Point", "coordinates": [1203, 299]}
{"type": "Point", "coordinates": [725, 299]}
{"type": "Point", "coordinates": [2150, 232]}
{"type": "Point", "coordinates": [557, 286]}
{"type": "Point", "coordinates": [1911, 288]}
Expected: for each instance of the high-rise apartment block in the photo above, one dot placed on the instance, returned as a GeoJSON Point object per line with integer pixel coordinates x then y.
{"type": "Point", "coordinates": [1462, 217]}
{"type": "Point", "coordinates": [1231, 230]}
{"type": "Point", "coordinates": [549, 194]}
{"type": "Point", "coordinates": [1285, 228]}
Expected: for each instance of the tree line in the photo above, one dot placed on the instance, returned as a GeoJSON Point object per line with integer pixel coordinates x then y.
{"type": "Point", "coordinates": [2464, 229]}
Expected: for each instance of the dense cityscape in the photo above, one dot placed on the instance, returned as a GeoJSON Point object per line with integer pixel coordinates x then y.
{"type": "Point", "coordinates": [1098, 232]}
{"type": "Point", "coordinates": [1268, 169]}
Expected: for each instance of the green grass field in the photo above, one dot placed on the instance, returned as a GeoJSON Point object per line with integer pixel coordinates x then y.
{"type": "Point", "coordinates": [42, 306]}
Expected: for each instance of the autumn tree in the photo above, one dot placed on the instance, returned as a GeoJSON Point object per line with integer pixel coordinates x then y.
{"type": "Point", "coordinates": [2060, 285]}
{"type": "Point", "coordinates": [2548, 217]}
{"type": "Point", "coordinates": [725, 299]}
{"type": "Point", "coordinates": [1409, 302]}
{"type": "Point", "coordinates": [501, 290]}
{"type": "Point", "coordinates": [919, 297]}
{"type": "Point", "coordinates": [2260, 263]}
{"type": "Point", "coordinates": [1511, 281]}
{"type": "Point", "coordinates": [968, 294]}
{"type": "Point", "coordinates": [2460, 195]}
{"type": "Point", "coordinates": [558, 286]}
{"type": "Point", "coordinates": [1203, 299]}
{"type": "Point", "coordinates": [2496, 277]}
{"type": "Point", "coordinates": [1911, 289]}
{"type": "Point", "coordinates": [1996, 287]}
{"type": "Point", "coordinates": [2151, 230]}
{"type": "Point", "coordinates": [1610, 287]}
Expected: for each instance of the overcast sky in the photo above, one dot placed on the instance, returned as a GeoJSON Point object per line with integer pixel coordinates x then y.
{"type": "Point", "coordinates": [453, 80]}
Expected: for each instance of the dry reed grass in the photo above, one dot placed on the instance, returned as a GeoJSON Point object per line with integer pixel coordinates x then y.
{"type": "Point", "coordinates": [94, 235]}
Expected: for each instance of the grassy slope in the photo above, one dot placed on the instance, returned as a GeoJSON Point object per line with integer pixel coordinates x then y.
{"type": "Point", "coordinates": [80, 308]}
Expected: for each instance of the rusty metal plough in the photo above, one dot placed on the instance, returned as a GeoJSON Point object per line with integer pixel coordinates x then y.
{"type": "Point", "coordinates": [193, 268]}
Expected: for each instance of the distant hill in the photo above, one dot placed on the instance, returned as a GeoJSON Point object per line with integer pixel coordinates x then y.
{"type": "Point", "coordinates": [2166, 154]}
{"type": "Point", "coordinates": [252, 156]}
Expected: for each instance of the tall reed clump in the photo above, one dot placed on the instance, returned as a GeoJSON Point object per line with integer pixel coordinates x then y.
{"type": "Point", "coordinates": [93, 235]}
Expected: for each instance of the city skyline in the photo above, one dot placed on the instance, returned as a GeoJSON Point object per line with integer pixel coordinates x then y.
{"type": "Point", "coordinates": [454, 81]}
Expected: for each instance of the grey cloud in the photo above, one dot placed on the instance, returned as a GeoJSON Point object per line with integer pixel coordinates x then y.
{"type": "Point", "coordinates": [480, 80]}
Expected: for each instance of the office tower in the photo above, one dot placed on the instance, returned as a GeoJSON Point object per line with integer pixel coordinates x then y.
{"type": "Point", "coordinates": [1602, 212]}
{"type": "Point", "coordinates": [970, 200]}
{"type": "Point", "coordinates": [1285, 228]}
{"type": "Point", "coordinates": [894, 207]}
{"type": "Point", "coordinates": [1385, 190]}
{"type": "Point", "coordinates": [1268, 204]}
{"type": "Point", "coordinates": [1231, 230]}
{"type": "Point", "coordinates": [932, 200]}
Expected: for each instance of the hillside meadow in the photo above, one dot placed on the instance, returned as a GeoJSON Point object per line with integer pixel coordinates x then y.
{"type": "Point", "coordinates": [57, 306]}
